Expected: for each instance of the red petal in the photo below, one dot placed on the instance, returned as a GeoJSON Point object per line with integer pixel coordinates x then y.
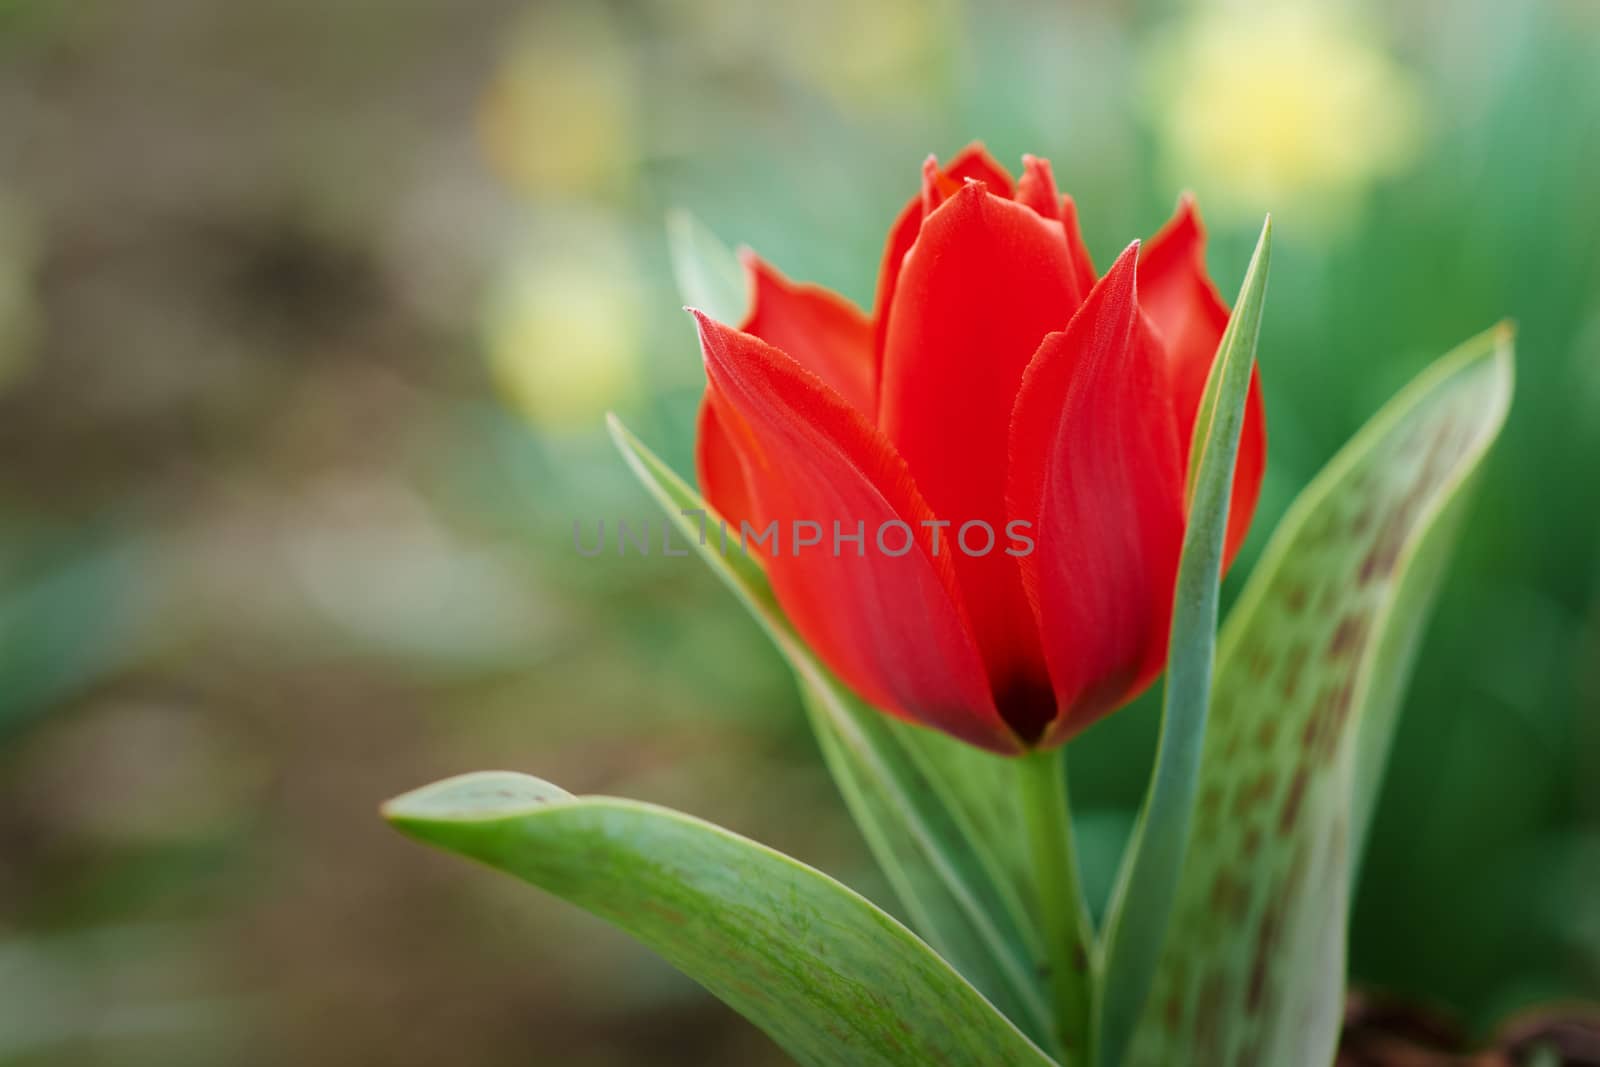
{"type": "Point", "coordinates": [718, 467]}
{"type": "Point", "coordinates": [1176, 293]}
{"type": "Point", "coordinates": [972, 162]}
{"type": "Point", "coordinates": [1082, 265]}
{"type": "Point", "coordinates": [936, 186]}
{"type": "Point", "coordinates": [1095, 465]}
{"type": "Point", "coordinates": [1037, 189]}
{"type": "Point", "coordinates": [891, 626]}
{"type": "Point", "coordinates": [986, 280]}
{"type": "Point", "coordinates": [819, 329]}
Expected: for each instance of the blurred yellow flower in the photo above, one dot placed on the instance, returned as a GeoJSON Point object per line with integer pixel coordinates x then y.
{"type": "Point", "coordinates": [1288, 106]}
{"type": "Point", "coordinates": [562, 329]}
{"type": "Point", "coordinates": [867, 55]}
{"type": "Point", "coordinates": [558, 114]}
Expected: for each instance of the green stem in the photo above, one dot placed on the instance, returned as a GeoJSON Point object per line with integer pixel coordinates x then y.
{"type": "Point", "coordinates": [1065, 923]}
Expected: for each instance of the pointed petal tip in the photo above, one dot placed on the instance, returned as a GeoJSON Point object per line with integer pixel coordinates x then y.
{"type": "Point", "coordinates": [712, 329]}
{"type": "Point", "coordinates": [1121, 281]}
{"type": "Point", "coordinates": [971, 188]}
{"type": "Point", "coordinates": [975, 161]}
{"type": "Point", "coordinates": [1179, 246]}
{"type": "Point", "coordinates": [704, 324]}
{"type": "Point", "coordinates": [1188, 213]}
{"type": "Point", "coordinates": [932, 195]}
{"type": "Point", "coordinates": [1037, 189]}
{"type": "Point", "coordinates": [705, 329]}
{"type": "Point", "coordinates": [936, 200]}
{"type": "Point", "coordinates": [1185, 218]}
{"type": "Point", "coordinates": [760, 273]}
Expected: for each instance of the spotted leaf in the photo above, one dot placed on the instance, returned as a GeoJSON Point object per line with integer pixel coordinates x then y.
{"type": "Point", "coordinates": [1310, 669]}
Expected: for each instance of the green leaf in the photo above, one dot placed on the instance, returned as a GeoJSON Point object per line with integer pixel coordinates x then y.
{"type": "Point", "coordinates": [924, 808]}
{"type": "Point", "coordinates": [830, 977]}
{"type": "Point", "coordinates": [709, 275]}
{"type": "Point", "coordinates": [1310, 669]}
{"type": "Point", "coordinates": [1141, 905]}
{"type": "Point", "coordinates": [939, 816]}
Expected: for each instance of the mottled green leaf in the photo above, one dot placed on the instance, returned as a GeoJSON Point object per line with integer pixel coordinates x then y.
{"type": "Point", "coordinates": [829, 976]}
{"type": "Point", "coordinates": [708, 274]}
{"type": "Point", "coordinates": [1142, 903]}
{"type": "Point", "coordinates": [1309, 671]}
{"type": "Point", "coordinates": [940, 816]}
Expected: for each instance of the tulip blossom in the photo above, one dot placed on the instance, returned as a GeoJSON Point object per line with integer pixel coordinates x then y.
{"type": "Point", "coordinates": [1001, 386]}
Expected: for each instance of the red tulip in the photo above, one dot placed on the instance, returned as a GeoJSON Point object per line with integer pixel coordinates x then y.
{"type": "Point", "coordinates": [998, 381]}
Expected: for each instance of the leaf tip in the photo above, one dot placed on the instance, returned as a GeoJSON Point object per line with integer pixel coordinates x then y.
{"type": "Point", "coordinates": [621, 436]}
{"type": "Point", "coordinates": [1263, 252]}
{"type": "Point", "coordinates": [1495, 346]}
{"type": "Point", "coordinates": [1505, 352]}
{"type": "Point", "coordinates": [472, 797]}
{"type": "Point", "coordinates": [1505, 334]}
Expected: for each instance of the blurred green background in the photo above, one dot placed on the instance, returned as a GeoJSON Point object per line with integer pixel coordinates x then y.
{"type": "Point", "coordinates": [308, 316]}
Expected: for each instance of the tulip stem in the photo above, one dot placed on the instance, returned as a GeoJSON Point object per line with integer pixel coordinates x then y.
{"type": "Point", "coordinates": [1064, 920]}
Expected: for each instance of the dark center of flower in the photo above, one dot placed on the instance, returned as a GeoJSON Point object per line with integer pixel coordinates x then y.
{"type": "Point", "coordinates": [1028, 705]}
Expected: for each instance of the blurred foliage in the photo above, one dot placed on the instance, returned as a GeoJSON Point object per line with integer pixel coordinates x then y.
{"type": "Point", "coordinates": [307, 313]}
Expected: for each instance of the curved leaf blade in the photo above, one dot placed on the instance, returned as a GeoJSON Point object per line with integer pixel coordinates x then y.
{"type": "Point", "coordinates": [931, 814]}
{"type": "Point", "coordinates": [1310, 669]}
{"type": "Point", "coordinates": [1142, 903]}
{"type": "Point", "coordinates": [939, 816]}
{"type": "Point", "coordinates": [708, 274]}
{"type": "Point", "coordinates": [831, 978]}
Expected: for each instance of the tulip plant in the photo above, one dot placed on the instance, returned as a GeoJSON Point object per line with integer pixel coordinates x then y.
{"type": "Point", "coordinates": [1035, 475]}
